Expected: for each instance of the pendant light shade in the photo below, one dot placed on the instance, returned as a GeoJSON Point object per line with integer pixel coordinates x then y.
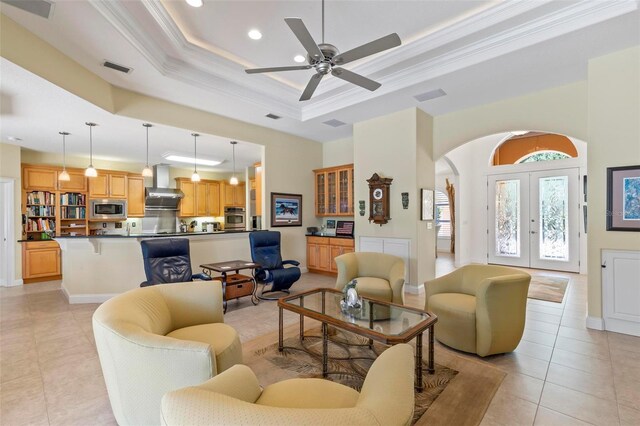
{"type": "Point", "coordinates": [195, 177]}
{"type": "Point", "coordinates": [234, 179]}
{"type": "Point", "coordinates": [147, 172]}
{"type": "Point", "coordinates": [90, 171]}
{"type": "Point", "coordinates": [64, 175]}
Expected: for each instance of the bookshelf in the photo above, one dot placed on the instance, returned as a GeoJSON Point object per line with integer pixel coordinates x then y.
{"type": "Point", "coordinates": [40, 214]}
{"type": "Point", "coordinates": [73, 214]}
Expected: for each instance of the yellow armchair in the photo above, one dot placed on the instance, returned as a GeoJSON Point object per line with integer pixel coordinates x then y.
{"type": "Point", "coordinates": [481, 309]}
{"type": "Point", "coordinates": [380, 276]}
{"type": "Point", "coordinates": [156, 339]}
{"type": "Point", "coordinates": [235, 398]}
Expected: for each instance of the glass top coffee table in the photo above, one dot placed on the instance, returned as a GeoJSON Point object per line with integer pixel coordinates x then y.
{"type": "Point", "coordinates": [384, 322]}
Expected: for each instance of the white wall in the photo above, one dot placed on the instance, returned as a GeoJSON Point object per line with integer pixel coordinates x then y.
{"type": "Point", "coordinates": [337, 153]}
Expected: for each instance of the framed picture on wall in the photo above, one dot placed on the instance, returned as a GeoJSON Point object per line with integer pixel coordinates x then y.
{"type": "Point", "coordinates": [623, 198]}
{"type": "Point", "coordinates": [427, 204]}
{"type": "Point", "coordinates": [286, 209]}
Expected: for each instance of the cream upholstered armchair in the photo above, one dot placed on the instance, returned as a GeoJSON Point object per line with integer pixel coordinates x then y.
{"type": "Point", "coordinates": [481, 308]}
{"type": "Point", "coordinates": [156, 339]}
{"type": "Point", "coordinates": [235, 398]}
{"type": "Point", "coordinates": [380, 276]}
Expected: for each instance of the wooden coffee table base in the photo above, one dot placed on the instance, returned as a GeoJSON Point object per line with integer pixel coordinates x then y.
{"type": "Point", "coordinates": [325, 348]}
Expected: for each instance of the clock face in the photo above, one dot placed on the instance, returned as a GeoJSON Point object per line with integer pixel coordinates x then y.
{"type": "Point", "coordinates": [377, 193]}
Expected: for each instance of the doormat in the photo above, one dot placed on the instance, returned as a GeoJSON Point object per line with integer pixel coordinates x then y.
{"type": "Point", "coordinates": [551, 289]}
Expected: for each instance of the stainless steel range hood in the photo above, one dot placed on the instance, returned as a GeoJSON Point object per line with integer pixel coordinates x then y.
{"type": "Point", "coordinates": [160, 196]}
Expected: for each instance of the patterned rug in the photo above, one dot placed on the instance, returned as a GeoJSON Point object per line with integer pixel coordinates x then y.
{"type": "Point", "coordinates": [350, 359]}
{"type": "Point", "coordinates": [547, 288]}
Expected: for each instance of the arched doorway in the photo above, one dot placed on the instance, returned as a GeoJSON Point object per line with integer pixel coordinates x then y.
{"type": "Point", "coordinates": [476, 213]}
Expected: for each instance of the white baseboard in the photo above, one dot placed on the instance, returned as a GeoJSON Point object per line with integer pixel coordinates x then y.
{"type": "Point", "coordinates": [16, 283]}
{"type": "Point", "coordinates": [304, 269]}
{"type": "Point", "coordinates": [621, 326]}
{"type": "Point", "coordinates": [414, 289]}
{"type": "Point", "coordinates": [76, 299]}
{"type": "Point", "coordinates": [595, 323]}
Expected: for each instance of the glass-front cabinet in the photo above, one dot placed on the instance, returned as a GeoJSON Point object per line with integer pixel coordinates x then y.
{"type": "Point", "coordinates": [334, 191]}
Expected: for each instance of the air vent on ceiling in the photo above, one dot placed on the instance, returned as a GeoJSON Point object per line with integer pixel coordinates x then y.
{"type": "Point", "coordinates": [117, 67]}
{"type": "Point", "coordinates": [273, 116]}
{"type": "Point", "coordinates": [432, 94]}
{"type": "Point", "coordinates": [334, 123]}
{"type": "Point", "coordinates": [42, 8]}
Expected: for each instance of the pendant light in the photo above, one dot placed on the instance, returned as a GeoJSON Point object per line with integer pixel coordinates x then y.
{"type": "Point", "coordinates": [147, 172]}
{"type": "Point", "coordinates": [234, 179]}
{"type": "Point", "coordinates": [195, 177]}
{"type": "Point", "coordinates": [90, 171]}
{"type": "Point", "coordinates": [64, 175]}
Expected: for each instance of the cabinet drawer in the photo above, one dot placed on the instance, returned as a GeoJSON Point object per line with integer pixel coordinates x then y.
{"type": "Point", "coordinates": [41, 245]}
{"type": "Point", "coordinates": [234, 291]}
{"type": "Point", "coordinates": [317, 240]}
{"type": "Point", "coordinates": [342, 242]}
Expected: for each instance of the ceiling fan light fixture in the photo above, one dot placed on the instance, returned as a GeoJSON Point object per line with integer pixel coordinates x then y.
{"type": "Point", "coordinates": [91, 171]}
{"type": "Point", "coordinates": [195, 3]}
{"type": "Point", "coordinates": [299, 58]}
{"type": "Point", "coordinates": [64, 175]}
{"type": "Point", "coordinates": [254, 34]}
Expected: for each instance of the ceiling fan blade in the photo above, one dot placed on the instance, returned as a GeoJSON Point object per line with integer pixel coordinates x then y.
{"type": "Point", "coordinates": [379, 45]}
{"type": "Point", "coordinates": [356, 79]}
{"type": "Point", "coordinates": [302, 33]}
{"type": "Point", "coordinates": [311, 87]}
{"type": "Point", "coordinates": [277, 69]}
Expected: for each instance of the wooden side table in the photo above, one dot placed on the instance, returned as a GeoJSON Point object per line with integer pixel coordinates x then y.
{"type": "Point", "coordinates": [234, 284]}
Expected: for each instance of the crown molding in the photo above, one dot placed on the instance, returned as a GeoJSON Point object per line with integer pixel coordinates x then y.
{"type": "Point", "coordinates": [223, 82]}
{"type": "Point", "coordinates": [552, 25]}
{"type": "Point", "coordinates": [221, 72]}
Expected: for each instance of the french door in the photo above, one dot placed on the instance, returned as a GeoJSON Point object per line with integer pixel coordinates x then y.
{"type": "Point", "coordinates": [533, 220]}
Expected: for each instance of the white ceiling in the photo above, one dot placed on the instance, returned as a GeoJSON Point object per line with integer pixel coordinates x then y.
{"type": "Point", "coordinates": [477, 51]}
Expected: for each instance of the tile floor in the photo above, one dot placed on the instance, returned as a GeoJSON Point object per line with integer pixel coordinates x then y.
{"type": "Point", "coordinates": [560, 374]}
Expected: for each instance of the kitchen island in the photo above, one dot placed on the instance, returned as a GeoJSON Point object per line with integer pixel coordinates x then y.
{"type": "Point", "coordinates": [96, 268]}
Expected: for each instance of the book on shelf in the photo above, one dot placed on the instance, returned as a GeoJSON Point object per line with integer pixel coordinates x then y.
{"type": "Point", "coordinates": [73, 199]}
{"type": "Point", "coordinates": [40, 197]}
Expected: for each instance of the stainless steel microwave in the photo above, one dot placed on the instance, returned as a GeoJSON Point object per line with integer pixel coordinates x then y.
{"type": "Point", "coordinates": [234, 218]}
{"type": "Point", "coordinates": [108, 209]}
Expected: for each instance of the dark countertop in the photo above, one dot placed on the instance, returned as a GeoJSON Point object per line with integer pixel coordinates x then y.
{"type": "Point", "coordinates": [174, 234]}
{"type": "Point", "coordinates": [345, 237]}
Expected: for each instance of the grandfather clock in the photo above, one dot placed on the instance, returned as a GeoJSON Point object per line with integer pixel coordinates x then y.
{"type": "Point", "coordinates": [379, 199]}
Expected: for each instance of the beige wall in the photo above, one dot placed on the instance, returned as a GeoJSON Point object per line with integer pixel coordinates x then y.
{"type": "Point", "coordinates": [285, 155]}
{"type": "Point", "coordinates": [337, 153]}
{"type": "Point", "coordinates": [10, 168]}
{"type": "Point", "coordinates": [561, 110]}
{"type": "Point", "coordinates": [614, 140]}
{"type": "Point", "coordinates": [407, 134]}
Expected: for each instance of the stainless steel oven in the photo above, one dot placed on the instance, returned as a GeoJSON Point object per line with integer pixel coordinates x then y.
{"type": "Point", "coordinates": [108, 209]}
{"type": "Point", "coordinates": [235, 218]}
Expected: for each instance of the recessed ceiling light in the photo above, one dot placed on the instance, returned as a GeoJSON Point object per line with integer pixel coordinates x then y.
{"type": "Point", "coordinates": [299, 58]}
{"type": "Point", "coordinates": [194, 3]}
{"type": "Point", "coordinates": [255, 35]}
{"type": "Point", "coordinates": [189, 160]}
{"type": "Point", "coordinates": [14, 139]}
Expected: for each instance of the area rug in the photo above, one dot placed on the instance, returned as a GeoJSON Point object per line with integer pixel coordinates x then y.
{"type": "Point", "coordinates": [472, 390]}
{"type": "Point", "coordinates": [547, 288]}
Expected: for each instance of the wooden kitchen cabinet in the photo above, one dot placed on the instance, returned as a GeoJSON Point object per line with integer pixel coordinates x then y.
{"type": "Point", "coordinates": [334, 191]}
{"type": "Point", "coordinates": [321, 252]}
{"type": "Point", "coordinates": [77, 183]}
{"type": "Point", "coordinates": [200, 198]}
{"type": "Point", "coordinates": [188, 203]}
{"type": "Point", "coordinates": [135, 196]}
{"type": "Point", "coordinates": [234, 195]}
{"type": "Point", "coordinates": [41, 261]}
{"type": "Point", "coordinates": [108, 185]}
{"type": "Point", "coordinates": [39, 178]}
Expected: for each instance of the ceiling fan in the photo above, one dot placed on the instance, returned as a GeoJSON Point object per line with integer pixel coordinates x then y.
{"type": "Point", "coordinates": [325, 58]}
